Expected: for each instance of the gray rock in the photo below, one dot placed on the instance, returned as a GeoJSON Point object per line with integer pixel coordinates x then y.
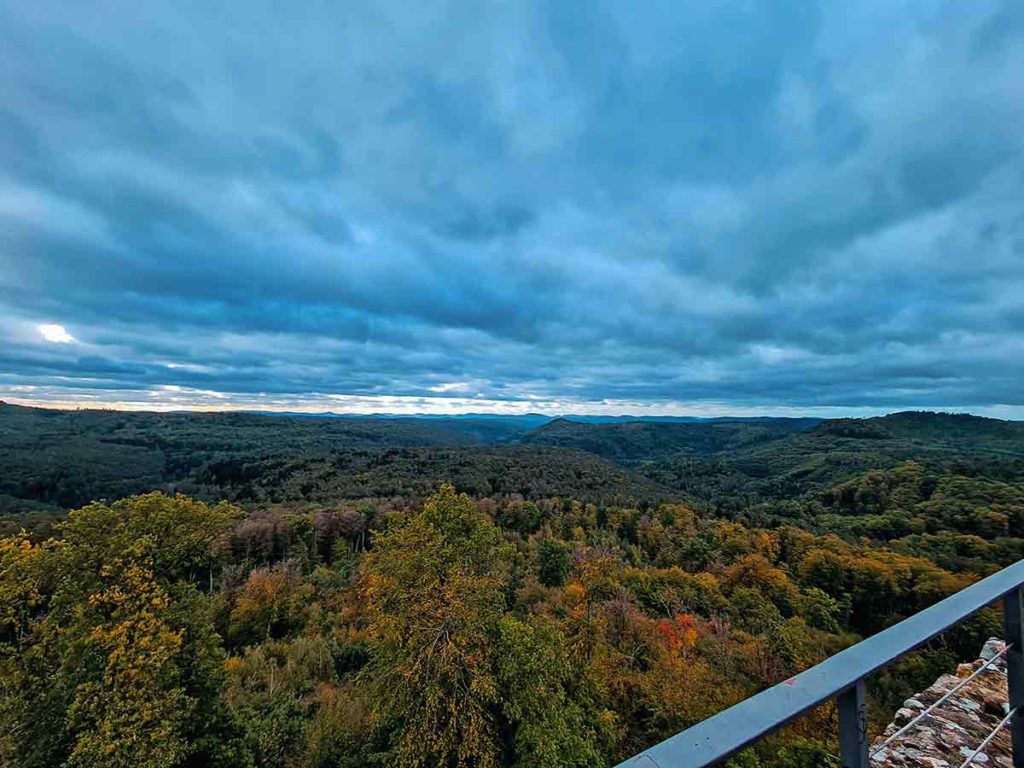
{"type": "Point", "coordinates": [953, 730]}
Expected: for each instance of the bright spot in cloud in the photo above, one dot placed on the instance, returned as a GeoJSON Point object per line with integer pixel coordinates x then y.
{"type": "Point", "coordinates": [452, 386]}
{"type": "Point", "coordinates": [55, 333]}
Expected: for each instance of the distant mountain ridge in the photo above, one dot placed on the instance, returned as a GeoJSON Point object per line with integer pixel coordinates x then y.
{"type": "Point", "coordinates": [535, 419]}
{"type": "Point", "coordinates": [526, 419]}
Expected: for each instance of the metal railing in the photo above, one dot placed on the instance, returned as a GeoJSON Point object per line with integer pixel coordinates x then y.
{"type": "Point", "coordinates": [841, 677]}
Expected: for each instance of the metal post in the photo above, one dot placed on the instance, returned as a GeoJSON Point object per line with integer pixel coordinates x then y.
{"type": "Point", "coordinates": [853, 726]}
{"type": "Point", "coordinates": [1013, 634]}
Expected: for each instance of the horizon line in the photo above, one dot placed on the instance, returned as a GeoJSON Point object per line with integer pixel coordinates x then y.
{"type": "Point", "coordinates": [1001, 412]}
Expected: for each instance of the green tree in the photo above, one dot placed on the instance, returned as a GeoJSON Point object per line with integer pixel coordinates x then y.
{"type": "Point", "coordinates": [434, 591]}
{"type": "Point", "coordinates": [460, 682]}
{"type": "Point", "coordinates": [108, 654]}
{"type": "Point", "coordinates": [553, 562]}
{"type": "Point", "coordinates": [553, 721]}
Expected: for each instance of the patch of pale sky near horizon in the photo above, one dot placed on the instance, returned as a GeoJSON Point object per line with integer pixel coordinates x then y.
{"type": "Point", "coordinates": [174, 398]}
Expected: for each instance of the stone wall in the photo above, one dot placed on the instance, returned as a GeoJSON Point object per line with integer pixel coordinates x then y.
{"type": "Point", "coordinates": [951, 732]}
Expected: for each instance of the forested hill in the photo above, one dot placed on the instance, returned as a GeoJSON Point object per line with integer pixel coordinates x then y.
{"type": "Point", "coordinates": [249, 431]}
{"type": "Point", "coordinates": [840, 449]}
{"type": "Point", "coordinates": [900, 435]}
{"type": "Point", "coordinates": [52, 460]}
{"type": "Point", "coordinates": [639, 441]}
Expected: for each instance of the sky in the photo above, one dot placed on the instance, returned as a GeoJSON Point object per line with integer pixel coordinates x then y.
{"type": "Point", "coordinates": [608, 207]}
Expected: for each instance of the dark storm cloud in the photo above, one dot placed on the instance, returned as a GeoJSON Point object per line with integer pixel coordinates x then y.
{"type": "Point", "coordinates": [747, 205]}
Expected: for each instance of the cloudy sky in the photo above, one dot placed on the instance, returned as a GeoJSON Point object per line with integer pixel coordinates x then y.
{"type": "Point", "coordinates": [707, 207]}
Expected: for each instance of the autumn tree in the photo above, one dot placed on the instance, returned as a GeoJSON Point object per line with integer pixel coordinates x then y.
{"type": "Point", "coordinates": [270, 603]}
{"type": "Point", "coordinates": [115, 659]}
{"type": "Point", "coordinates": [434, 594]}
{"type": "Point", "coordinates": [441, 642]}
{"type": "Point", "coordinates": [135, 713]}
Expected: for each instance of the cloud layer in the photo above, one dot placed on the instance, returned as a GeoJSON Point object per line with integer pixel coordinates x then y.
{"type": "Point", "coordinates": [737, 207]}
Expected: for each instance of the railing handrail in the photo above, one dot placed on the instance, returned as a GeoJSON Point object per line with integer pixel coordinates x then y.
{"type": "Point", "coordinates": [723, 735]}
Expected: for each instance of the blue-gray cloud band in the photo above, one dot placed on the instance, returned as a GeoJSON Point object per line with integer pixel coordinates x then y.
{"type": "Point", "coordinates": [765, 204]}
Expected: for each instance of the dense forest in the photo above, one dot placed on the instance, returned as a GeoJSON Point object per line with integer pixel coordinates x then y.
{"type": "Point", "coordinates": [248, 590]}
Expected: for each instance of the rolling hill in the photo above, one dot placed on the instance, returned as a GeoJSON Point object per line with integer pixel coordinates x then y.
{"type": "Point", "coordinates": [51, 460]}
{"type": "Point", "coordinates": [640, 441]}
{"type": "Point", "coordinates": [61, 459]}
